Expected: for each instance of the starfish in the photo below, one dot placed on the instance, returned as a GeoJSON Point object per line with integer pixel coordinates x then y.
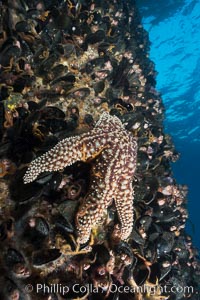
{"type": "Point", "coordinates": [115, 152]}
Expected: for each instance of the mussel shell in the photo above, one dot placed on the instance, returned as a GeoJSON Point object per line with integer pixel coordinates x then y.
{"type": "Point", "coordinates": [36, 231]}
{"type": "Point", "coordinates": [20, 147]}
{"type": "Point", "coordinates": [150, 251]}
{"type": "Point", "coordinates": [99, 87]}
{"type": "Point", "coordinates": [149, 197]}
{"type": "Point", "coordinates": [61, 20]}
{"type": "Point", "coordinates": [139, 192]}
{"type": "Point", "coordinates": [152, 183]}
{"type": "Point", "coordinates": [59, 70]}
{"type": "Point", "coordinates": [88, 119]}
{"type": "Point", "coordinates": [165, 214]}
{"type": "Point", "coordinates": [56, 125]}
{"type": "Point", "coordinates": [155, 229]}
{"type": "Point", "coordinates": [164, 271]}
{"type": "Point", "coordinates": [42, 226]}
{"type": "Point", "coordinates": [43, 257]}
{"type": "Point", "coordinates": [44, 178]}
{"type": "Point", "coordinates": [165, 243]}
{"type": "Point", "coordinates": [155, 273]}
{"type": "Point", "coordinates": [144, 222]}
{"type": "Point", "coordinates": [143, 160]}
{"type": "Point", "coordinates": [48, 63]}
{"type": "Point", "coordinates": [4, 93]}
{"type": "Point", "coordinates": [140, 273]}
{"type": "Point", "coordinates": [49, 142]}
{"type": "Point", "coordinates": [21, 192]}
{"type": "Point", "coordinates": [96, 37]}
{"type": "Point", "coordinates": [137, 238]}
{"type": "Point", "coordinates": [22, 26]}
{"type": "Point", "coordinates": [102, 254]}
{"type": "Point", "coordinates": [3, 231]}
{"type": "Point", "coordinates": [5, 227]}
{"type": "Point", "coordinates": [10, 52]}
{"type": "Point", "coordinates": [68, 49]}
{"type": "Point", "coordinates": [68, 210]}
{"type": "Point", "coordinates": [26, 49]}
{"type": "Point", "coordinates": [13, 256]}
{"type": "Point", "coordinates": [180, 250]}
{"type": "Point", "coordinates": [124, 247]}
{"type": "Point", "coordinates": [62, 223]}
{"type": "Point", "coordinates": [135, 118]}
{"type": "Point", "coordinates": [59, 49]}
{"type": "Point", "coordinates": [83, 15]}
{"type": "Point", "coordinates": [32, 13]}
{"type": "Point", "coordinates": [53, 183]}
{"type": "Point", "coordinates": [21, 82]}
{"type": "Point", "coordinates": [119, 76]}
{"type": "Point", "coordinates": [22, 112]}
{"type": "Point", "coordinates": [32, 106]}
{"type": "Point", "coordinates": [50, 112]}
{"type": "Point", "coordinates": [67, 79]}
{"type": "Point", "coordinates": [96, 17]}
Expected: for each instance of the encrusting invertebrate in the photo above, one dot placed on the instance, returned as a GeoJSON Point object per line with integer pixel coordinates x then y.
{"type": "Point", "coordinates": [115, 152]}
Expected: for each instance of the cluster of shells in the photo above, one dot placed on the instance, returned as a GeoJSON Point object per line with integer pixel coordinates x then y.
{"type": "Point", "coordinates": [62, 63]}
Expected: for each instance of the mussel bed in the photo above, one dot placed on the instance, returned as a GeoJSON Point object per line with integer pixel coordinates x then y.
{"type": "Point", "coordinates": [62, 63]}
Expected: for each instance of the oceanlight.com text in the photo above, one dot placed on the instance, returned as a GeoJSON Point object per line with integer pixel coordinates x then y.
{"type": "Point", "coordinates": [113, 288]}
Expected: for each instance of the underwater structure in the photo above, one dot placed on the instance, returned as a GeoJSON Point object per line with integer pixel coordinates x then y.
{"type": "Point", "coordinates": [89, 208]}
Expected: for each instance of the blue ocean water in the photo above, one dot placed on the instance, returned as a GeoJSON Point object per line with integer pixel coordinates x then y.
{"type": "Point", "coordinates": [174, 32]}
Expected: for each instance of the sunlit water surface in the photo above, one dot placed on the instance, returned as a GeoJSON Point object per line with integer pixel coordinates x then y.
{"type": "Point", "coordinates": [174, 32]}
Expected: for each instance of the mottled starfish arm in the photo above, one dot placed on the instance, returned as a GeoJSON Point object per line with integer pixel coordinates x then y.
{"type": "Point", "coordinates": [124, 205]}
{"type": "Point", "coordinates": [88, 216]}
{"type": "Point", "coordinates": [65, 153]}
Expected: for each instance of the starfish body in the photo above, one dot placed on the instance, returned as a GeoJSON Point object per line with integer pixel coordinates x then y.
{"type": "Point", "coordinates": [115, 152]}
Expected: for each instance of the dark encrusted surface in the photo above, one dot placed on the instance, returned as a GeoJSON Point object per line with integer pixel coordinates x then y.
{"type": "Point", "coordinates": [62, 64]}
